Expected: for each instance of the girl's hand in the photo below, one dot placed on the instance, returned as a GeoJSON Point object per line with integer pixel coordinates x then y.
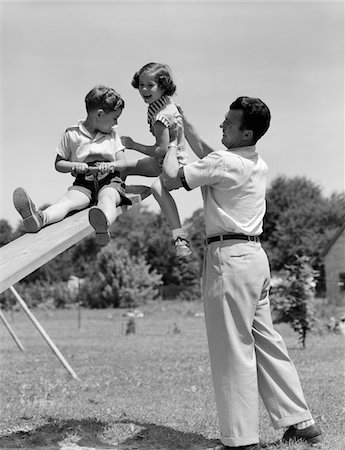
{"type": "Point", "coordinates": [128, 142]}
{"type": "Point", "coordinates": [79, 168]}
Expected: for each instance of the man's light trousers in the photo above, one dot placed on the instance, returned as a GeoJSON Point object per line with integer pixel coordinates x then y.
{"type": "Point", "coordinates": [248, 357]}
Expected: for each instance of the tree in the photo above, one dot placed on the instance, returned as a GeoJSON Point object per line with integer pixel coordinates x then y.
{"type": "Point", "coordinates": [300, 221]}
{"type": "Point", "coordinates": [5, 232]}
{"type": "Point", "coordinates": [195, 226]}
{"type": "Point", "coordinates": [293, 297]}
{"type": "Point", "coordinates": [119, 280]}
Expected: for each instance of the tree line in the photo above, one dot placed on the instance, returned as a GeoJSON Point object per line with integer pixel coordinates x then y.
{"type": "Point", "coordinates": [139, 263]}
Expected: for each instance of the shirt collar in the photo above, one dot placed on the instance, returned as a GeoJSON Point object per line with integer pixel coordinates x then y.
{"type": "Point", "coordinates": [85, 131]}
{"type": "Point", "coordinates": [156, 106]}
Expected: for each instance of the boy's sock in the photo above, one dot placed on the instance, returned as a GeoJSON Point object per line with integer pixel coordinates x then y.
{"type": "Point", "coordinates": [44, 216]}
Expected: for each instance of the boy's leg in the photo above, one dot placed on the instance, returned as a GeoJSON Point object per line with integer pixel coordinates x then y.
{"type": "Point", "coordinates": [104, 214]}
{"type": "Point", "coordinates": [73, 200]}
{"type": "Point", "coordinates": [34, 219]}
{"type": "Point", "coordinates": [170, 212]}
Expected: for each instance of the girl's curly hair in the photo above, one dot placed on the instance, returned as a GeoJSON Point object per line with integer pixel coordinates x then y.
{"type": "Point", "coordinates": [162, 75]}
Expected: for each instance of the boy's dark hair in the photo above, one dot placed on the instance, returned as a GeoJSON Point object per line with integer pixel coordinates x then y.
{"type": "Point", "coordinates": [162, 75]}
{"type": "Point", "coordinates": [256, 115]}
{"type": "Point", "coordinates": [103, 97]}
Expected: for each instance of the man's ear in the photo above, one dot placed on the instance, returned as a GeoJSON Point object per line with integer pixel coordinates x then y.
{"type": "Point", "coordinates": [248, 135]}
{"type": "Point", "coordinates": [100, 113]}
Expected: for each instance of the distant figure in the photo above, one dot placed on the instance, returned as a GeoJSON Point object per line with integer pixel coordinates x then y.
{"type": "Point", "coordinates": [130, 326]}
{"type": "Point", "coordinates": [156, 86]}
{"type": "Point", "coordinates": [248, 357]}
{"type": "Point", "coordinates": [91, 143]}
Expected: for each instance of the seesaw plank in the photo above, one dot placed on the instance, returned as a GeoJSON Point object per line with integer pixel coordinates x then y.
{"type": "Point", "coordinates": [24, 255]}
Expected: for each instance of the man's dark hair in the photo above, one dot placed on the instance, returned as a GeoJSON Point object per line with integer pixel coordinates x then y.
{"type": "Point", "coordinates": [256, 115]}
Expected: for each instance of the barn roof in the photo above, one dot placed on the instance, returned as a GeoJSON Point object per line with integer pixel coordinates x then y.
{"type": "Point", "coordinates": [333, 240]}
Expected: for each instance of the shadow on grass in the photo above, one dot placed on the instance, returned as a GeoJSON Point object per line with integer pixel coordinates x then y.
{"type": "Point", "coordinates": [123, 434]}
{"type": "Point", "coordinates": [152, 436]}
{"type": "Point", "coordinates": [54, 432]}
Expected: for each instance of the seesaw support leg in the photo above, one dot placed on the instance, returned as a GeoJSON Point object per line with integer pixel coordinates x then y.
{"type": "Point", "coordinates": [44, 334]}
{"type": "Point", "coordinates": [8, 326]}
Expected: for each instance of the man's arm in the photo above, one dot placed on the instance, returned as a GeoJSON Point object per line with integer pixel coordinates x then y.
{"type": "Point", "coordinates": [196, 143]}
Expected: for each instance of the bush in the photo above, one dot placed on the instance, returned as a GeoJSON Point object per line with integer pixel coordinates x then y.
{"type": "Point", "coordinates": [293, 295]}
{"type": "Point", "coordinates": [119, 280]}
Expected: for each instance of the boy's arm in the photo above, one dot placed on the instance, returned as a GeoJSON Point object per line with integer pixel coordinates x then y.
{"type": "Point", "coordinates": [64, 166]}
{"type": "Point", "coordinates": [200, 147]}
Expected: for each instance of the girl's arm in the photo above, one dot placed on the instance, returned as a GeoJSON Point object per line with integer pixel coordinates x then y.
{"type": "Point", "coordinates": [159, 149]}
{"type": "Point", "coordinates": [64, 166]}
{"type": "Point", "coordinates": [200, 147]}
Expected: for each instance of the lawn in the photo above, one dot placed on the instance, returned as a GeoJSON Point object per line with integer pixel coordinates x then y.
{"type": "Point", "coordinates": [146, 390]}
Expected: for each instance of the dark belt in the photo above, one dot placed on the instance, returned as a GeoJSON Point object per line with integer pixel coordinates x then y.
{"type": "Point", "coordinates": [227, 237]}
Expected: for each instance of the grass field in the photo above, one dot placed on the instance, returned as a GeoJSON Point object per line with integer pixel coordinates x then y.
{"type": "Point", "coordinates": [148, 390]}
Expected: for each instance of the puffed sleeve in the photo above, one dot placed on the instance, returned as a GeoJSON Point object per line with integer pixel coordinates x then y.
{"type": "Point", "coordinates": [161, 117]}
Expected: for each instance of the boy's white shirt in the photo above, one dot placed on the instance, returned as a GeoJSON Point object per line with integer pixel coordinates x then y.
{"type": "Point", "coordinates": [77, 145]}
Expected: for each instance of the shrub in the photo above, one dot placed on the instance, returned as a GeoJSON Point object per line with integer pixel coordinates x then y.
{"type": "Point", "coordinates": [119, 280]}
{"type": "Point", "coordinates": [292, 297]}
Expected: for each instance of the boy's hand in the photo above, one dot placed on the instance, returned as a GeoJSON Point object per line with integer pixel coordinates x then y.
{"type": "Point", "coordinates": [128, 142]}
{"type": "Point", "coordinates": [79, 168]}
{"type": "Point", "coordinates": [105, 167]}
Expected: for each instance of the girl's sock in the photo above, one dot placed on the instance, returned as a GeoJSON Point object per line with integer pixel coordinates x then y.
{"type": "Point", "coordinates": [178, 232]}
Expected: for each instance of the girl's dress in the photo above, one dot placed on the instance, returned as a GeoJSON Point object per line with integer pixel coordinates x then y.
{"type": "Point", "coordinates": [164, 110]}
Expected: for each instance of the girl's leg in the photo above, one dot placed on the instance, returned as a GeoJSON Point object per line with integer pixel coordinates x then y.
{"type": "Point", "coordinates": [169, 209]}
{"type": "Point", "coordinates": [104, 214]}
{"type": "Point", "coordinates": [146, 167]}
{"type": "Point", "coordinates": [73, 200]}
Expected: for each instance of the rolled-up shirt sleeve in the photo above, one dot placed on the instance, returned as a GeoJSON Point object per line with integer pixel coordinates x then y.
{"type": "Point", "coordinates": [206, 171]}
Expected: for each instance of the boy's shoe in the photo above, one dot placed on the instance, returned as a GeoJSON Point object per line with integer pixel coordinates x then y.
{"type": "Point", "coordinates": [182, 247]}
{"type": "Point", "coordinates": [100, 223]}
{"type": "Point", "coordinates": [32, 219]}
{"type": "Point", "coordinates": [311, 434]}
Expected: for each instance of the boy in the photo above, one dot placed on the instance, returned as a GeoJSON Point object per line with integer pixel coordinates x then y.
{"type": "Point", "coordinates": [91, 145]}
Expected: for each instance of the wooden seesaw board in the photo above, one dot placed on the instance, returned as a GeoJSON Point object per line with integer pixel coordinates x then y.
{"type": "Point", "coordinates": [30, 251]}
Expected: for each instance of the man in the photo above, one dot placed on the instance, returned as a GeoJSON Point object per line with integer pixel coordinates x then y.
{"type": "Point", "coordinates": [248, 357]}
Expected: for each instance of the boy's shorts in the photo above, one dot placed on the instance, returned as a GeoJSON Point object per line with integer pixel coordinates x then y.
{"type": "Point", "coordinates": [91, 188]}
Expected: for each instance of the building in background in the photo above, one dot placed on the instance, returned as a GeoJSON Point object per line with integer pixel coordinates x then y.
{"type": "Point", "coordinates": [334, 260]}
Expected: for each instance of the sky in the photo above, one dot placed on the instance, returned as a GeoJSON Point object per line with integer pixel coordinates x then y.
{"type": "Point", "coordinates": [289, 54]}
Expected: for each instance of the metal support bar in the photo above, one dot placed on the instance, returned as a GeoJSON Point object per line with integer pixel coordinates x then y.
{"type": "Point", "coordinates": [8, 326]}
{"type": "Point", "coordinates": [44, 334]}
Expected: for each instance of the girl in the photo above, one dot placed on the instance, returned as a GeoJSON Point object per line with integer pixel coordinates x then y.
{"type": "Point", "coordinates": [155, 84]}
